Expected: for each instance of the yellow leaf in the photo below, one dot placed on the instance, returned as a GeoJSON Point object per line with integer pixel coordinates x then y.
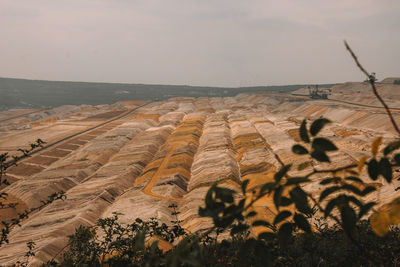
{"type": "Point", "coordinates": [394, 211]}
{"type": "Point", "coordinates": [352, 172]}
{"type": "Point", "coordinates": [375, 145]}
{"type": "Point", "coordinates": [162, 244]}
{"type": "Point", "coordinates": [303, 165]}
{"type": "Point", "coordinates": [387, 215]}
{"type": "Point", "coordinates": [361, 164]}
{"type": "Point", "coordinates": [338, 173]}
{"type": "Point", "coordinates": [380, 222]}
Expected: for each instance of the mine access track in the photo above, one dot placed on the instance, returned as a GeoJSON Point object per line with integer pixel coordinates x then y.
{"type": "Point", "coordinates": [346, 102]}
{"type": "Point", "coordinates": [87, 130]}
{"type": "Point", "coordinates": [23, 115]}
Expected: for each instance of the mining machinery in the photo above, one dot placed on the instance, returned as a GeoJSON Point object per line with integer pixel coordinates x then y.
{"type": "Point", "coordinates": [317, 93]}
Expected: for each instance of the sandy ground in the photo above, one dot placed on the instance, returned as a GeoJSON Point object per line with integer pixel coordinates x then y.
{"type": "Point", "coordinates": [170, 152]}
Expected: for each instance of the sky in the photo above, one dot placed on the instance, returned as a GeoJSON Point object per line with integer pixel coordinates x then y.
{"type": "Point", "coordinates": [199, 42]}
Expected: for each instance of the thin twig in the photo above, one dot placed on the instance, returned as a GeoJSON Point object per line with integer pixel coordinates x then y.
{"type": "Point", "coordinates": [372, 82]}
{"type": "Point", "coordinates": [336, 219]}
{"type": "Point", "coordinates": [59, 252]}
{"type": "Point", "coordinates": [315, 171]}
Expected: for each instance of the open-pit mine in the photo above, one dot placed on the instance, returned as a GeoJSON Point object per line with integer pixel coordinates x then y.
{"type": "Point", "coordinates": [139, 157]}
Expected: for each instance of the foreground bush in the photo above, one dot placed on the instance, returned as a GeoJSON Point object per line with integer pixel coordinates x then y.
{"type": "Point", "coordinates": [126, 246]}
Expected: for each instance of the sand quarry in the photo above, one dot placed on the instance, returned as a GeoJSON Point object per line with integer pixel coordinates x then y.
{"type": "Point", "coordinates": [139, 157]}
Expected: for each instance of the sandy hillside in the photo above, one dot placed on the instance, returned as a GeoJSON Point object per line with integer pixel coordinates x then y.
{"type": "Point", "coordinates": [137, 158]}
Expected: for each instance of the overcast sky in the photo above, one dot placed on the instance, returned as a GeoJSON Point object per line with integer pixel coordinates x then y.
{"type": "Point", "coordinates": [198, 42]}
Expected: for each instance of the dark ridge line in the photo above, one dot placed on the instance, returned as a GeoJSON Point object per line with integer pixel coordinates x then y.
{"type": "Point", "coordinates": [22, 115]}
{"type": "Point", "coordinates": [163, 85]}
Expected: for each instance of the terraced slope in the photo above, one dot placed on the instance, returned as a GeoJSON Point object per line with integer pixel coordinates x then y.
{"type": "Point", "coordinates": [137, 159]}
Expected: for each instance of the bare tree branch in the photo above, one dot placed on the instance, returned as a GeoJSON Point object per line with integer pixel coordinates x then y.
{"type": "Point", "coordinates": [372, 82]}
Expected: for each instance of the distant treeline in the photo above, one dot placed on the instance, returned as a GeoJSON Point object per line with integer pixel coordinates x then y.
{"type": "Point", "coordinates": [21, 93]}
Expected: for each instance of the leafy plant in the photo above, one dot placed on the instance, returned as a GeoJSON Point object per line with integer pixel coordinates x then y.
{"type": "Point", "coordinates": [110, 243]}
{"type": "Point", "coordinates": [7, 161]}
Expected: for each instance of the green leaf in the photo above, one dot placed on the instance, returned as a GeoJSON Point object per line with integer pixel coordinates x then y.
{"type": "Point", "coordinates": [297, 180]}
{"type": "Point", "coordinates": [330, 206]}
{"type": "Point", "coordinates": [285, 201]}
{"type": "Point", "coordinates": [373, 169]}
{"type": "Point", "coordinates": [328, 191]}
{"type": "Point", "coordinates": [266, 236]}
{"type": "Point", "coordinates": [225, 194]}
{"type": "Point", "coordinates": [386, 169]}
{"type": "Point", "coordinates": [261, 223]}
{"type": "Point", "coordinates": [277, 197]}
{"type": "Point", "coordinates": [241, 203]}
{"type": "Point", "coordinates": [365, 208]}
{"type": "Point", "coordinates": [323, 144]}
{"type": "Point", "coordinates": [232, 210]}
{"type": "Point", "coordinates": [349, 219]}
{"type": "Point", "coordinates": [208, 198]}
{"type": "Point", "coordinates": [302, 222]}
{"type": "Point", "coordinates": [317, 126]}
{"type": "Point", "coordinates": [352, 189]}
{"type": "Point", "coordinates": [303, 132]}
{"type": "Point", "coordinates": [397, 159]}
{"type": "Point", "coordinates": [285, 234]}
{"type": "Point", "coordinates": [212, 208]}
{"type": "Point", "coordinates": [368, 190]}
{"type": "Point", "coordinates": [354, 179]}
{"type": "Point", "coordinates": [354, 200]}
{"type": "Point", "coordinates": [299, 149]}
{"type": "Point", "coordinates": [266, 187]}
{"type": "Point", "coordinates": [392, 146]}
{"type": "Point", "coordinates": [330, 180]}
{"type": "Point", "coordinates": [300, 199]}
{"type": "Point", "coordinates": [320, 156]}
{"type": "Point", "coordinates": [224, 221]}
{"type": "Point", "coordinates": [282, 172]}
{"type": "Point", "coordinates": [282, 216]}
{"type": "Point", "coordinates": [251, 214]}
{"type": "Point", "coordinates": [244, 185]}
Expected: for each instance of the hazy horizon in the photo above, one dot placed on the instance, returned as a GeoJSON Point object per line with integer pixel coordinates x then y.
{"type": "Point", "coordinates": [161, 84]}
{"type": "Point", "coordinates": [227, 43]}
